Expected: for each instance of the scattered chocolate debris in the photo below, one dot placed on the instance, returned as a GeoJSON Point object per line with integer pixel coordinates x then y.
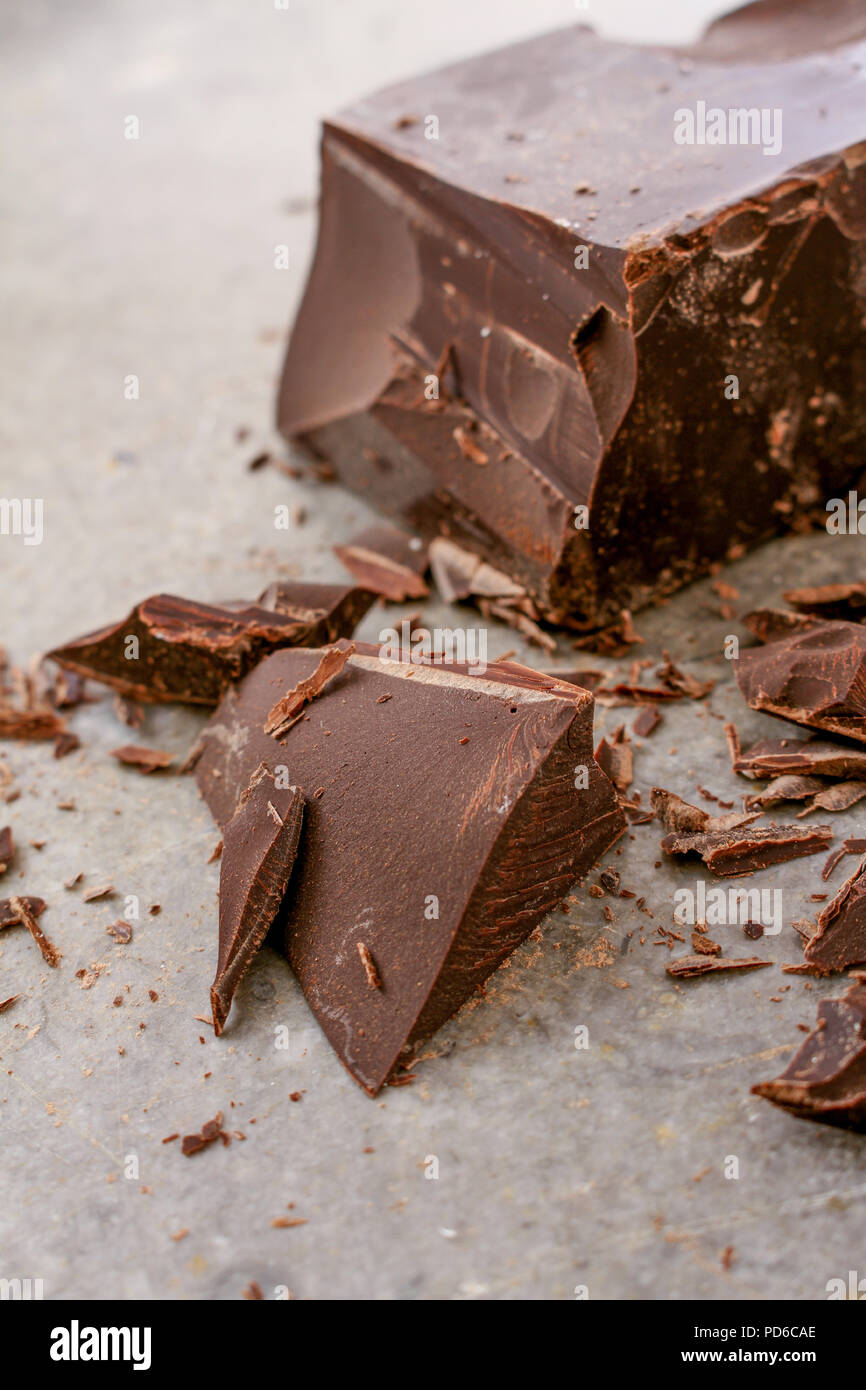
{"type": "Point", "coordinates": [121, 931]}
{"type": "Point", "coordinates": [144, 759]}
{"type": "Point", "coordinates": [648, 719]}
{"type": "Point", "coordinates": [64, 743]}
{"type": "Point", "coordinates": [105, 890]}
{"type": "Point", "coordinates": [210, 1132]}
{"type": "Point", "coordinates": [7, 1003]}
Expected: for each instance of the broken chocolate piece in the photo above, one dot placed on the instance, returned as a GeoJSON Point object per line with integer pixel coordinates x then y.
{"type": "Point", "coordinates": [686, 967]}
{"type": "Point", "coordinates": [561, 315]}
{"type": "Point", "coordinates": [259, 848]}
{"type": "Point", "coordinates": [678, 815]}
{"type": "Point", "coordinates": [648, 719]}
{"type": "Point", "coordinates": [787, 788]}
{"type": "Point", "coordinates": [846, 601]}
{"type": "Point", "coordinates": [289, 708]}
{"type": "Point", "coordinates": [7, 848]}
{"type": "Point", "coordinates": [7, 1003]}
{"type": "Point", "coordinates": [386, 562]}
{"type": "Point", "coordinates": [18, 911]}
{"type": "Point", "coordinates": [175, 649]}
{"type": "Point", "coordinates": [121, 931]}
{"type": "Point", "coordinates": [466, 844]}
{"type": "Point", "coordinates": [728, 853]}
{"type": "Point", "coordinates": [8, 915]}
{"type": "Point", "coordinates": [773, 757]}
{"type": "Point", "coordinates": [30, 725]}
{"type": "Point", "coordinates": [460, 574]}
{"type": "Point", "coordinates": [826, 1079]}
{"type": "Point", "coordinates": [616, 759]}
{"type": "Point", "coordinates": [840, 797]}
{"type": "Point", "coordinates": [144, 759]}
{"type": "Point", "coordinates": [840, 936]}
{"type": "Point", "coordinates": [817, 677]}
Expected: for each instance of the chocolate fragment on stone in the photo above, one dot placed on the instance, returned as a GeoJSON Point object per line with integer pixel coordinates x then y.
{"type": "Point", "coordinates": [687, 967]}
{"type": "Point", "coordinates": [438, 854]}
{"type": "Point", "coordinates": [728, 853]}
{"type": "Point", "coordinates": [7, 848]}
{"type": "Point", "coordinates": [144, 759]}
{"type": "Point", "coordinates": [7, 1003]}
{"type": "Point", "coordinates": [787, 788]}
{"type": "Point", "coordinates": [840, 936]}
{"type": "Point", "coordinates": [817, 678]}
{"type": "Point", "coordinates": [189, 652]}
{"type": "Point", "coordinates": [587, 335]}
{"type": "Point", "coordinates": [840, 797]}
{"type": "Point", "coordinates": [847, 601]}
{"type": "Point", "coordinates": [260, 845]}
{"type": "Point", "coordinates": [773, 757]}
{"type": "Point", "coordinates": [25, 912]}
{"type": "Point", "coordinates": [10, 918]}
{"type": "Point", "coordinates": [386, 562]}
{"type": "Point", "coordinates": [826, 1080]}
{"type": "Point", "coordinates": [289, 708]}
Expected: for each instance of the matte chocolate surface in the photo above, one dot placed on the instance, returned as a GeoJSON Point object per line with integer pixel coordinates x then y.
{"type": "Point", "coordinates": [446, 814]}
{"type": "Point", "coordinates": [259, 849]}
{"type": "Point", "coordinates": [189, 651]}
{"type": "Point", "coordinates": [815, 677]}
{"type": "Point", "coordinates": [826, 1080]}
{"type": "Point", "coordinates": [536, 303]}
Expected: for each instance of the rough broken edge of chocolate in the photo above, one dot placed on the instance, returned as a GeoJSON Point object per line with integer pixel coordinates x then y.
{"type": "Point", "coordinates": [289, 708]}
{"type": "Point", "coordinates": [244, 925]}
{"type": "Point", "coordinates": [825, 1081]}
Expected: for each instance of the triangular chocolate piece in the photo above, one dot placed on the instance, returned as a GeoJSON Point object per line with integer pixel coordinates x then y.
{"type": "Point", "coordinates": [260, 843]}
{"type": "Point", "coordinates": [840, 939]}
{"type": "Point", "coordinates": [826, 1080]}
{"type": "Point", "coordinates": [447, 812]}
{"type": "Point", "coordinates": [816, 677]}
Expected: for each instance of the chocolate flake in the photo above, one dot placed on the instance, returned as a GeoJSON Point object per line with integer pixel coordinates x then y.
{"type": "Point", "coordinates": [387, 562]}
{"type": "Point", "coordinates": [826, 1079]}
{"type": "Point", "coordinates": [7, 848]}
{"type": "Point", "coordinates": [23, 911]}
{"type": "Point", "coordinates": [369, 966]}
{"type": "Point", "coordinates": [729, 853]}
{"type": "Point", "coordinates": [145, 760]}
{"type": "Point", "coordinates": [289, 708]}
{"type": "Point", "coordinates": [686, 967]}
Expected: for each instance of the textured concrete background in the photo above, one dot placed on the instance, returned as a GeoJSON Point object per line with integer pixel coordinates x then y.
{"type": "Point", "coordinates": [557, 1167]}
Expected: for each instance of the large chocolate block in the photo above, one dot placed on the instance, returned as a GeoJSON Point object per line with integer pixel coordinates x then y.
{"type": "Point", "coordinates": [446, 813]}
{"type": "Point", "coordinates": [585, 289]}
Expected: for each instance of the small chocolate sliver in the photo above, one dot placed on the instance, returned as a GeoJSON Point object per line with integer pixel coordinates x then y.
{"type": "Point", "coordinates": [847, 601]}
{"type": "Point", "coordinates": [259, 851]}
{"type": "Point", "coordinates": [144, 759]}
{"type": "Point", "coordinates": [8, 915]}
{"type": "Point", "coordinates": [728, 853]}
{"type": "Point", "coordinates": [775, 757]}
{"type": "Point", "coordinates": [7, 848]}
{"type": "Point", "coordinates": [104, 890]}
{"type": "Point", "coordinates": [688, 966]}
{"type": "Point", "coordinates": [647, 720]}
{"type": "Point", "coordinates": [816, 677]}
{"type": "Point", "coordinates": [826, 1079]}
{"type": "Point", "coordinates": [369, 965]}
{"type": "Point", "coordinates": [387, 562]}
{"type": "Point", "coordinates": [121, 931]}
{"type": "Point", "coordinates": [840, 797]}
{"type": "Point", "coordinates": [289, 708]}
{"type": "Point", "coordinates": [29, 725]}
{"type": "Point", "coordinates": [7, 1003]}
{"type": "Point", "coordinates": [27, 918]}
{"type": "Point", "coordinates": [840, 935]}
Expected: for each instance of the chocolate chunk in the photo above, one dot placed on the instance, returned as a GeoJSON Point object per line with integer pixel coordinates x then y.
{"type": "Point", "coordinates": [559, 315]}
{"type": "Point", "coordinates": [259, 848]}
{"type": "Point", "coordinates": [459, 574]}
{"type": "Point", "coordinates": [387, 562]}
{"type": "Point", "coordinates": [7, 848]}
{"type": "Point", "coordinates": [439, 856]}
{"type": "Point", "coordinates": [686, 967]}
{"type": "Point", "coordinates": [647, 720]}
{"type": "Point", "coordinates": [175, 649]}
{"type": "Point", "coordinates": [121, 931]}
{"type": "Point", "coordinates": [817, 677]}
{"type": "Point", "coordinates": [30, 725]}
{"type": "Point", "coordinates": [617, 761]}
{"type": "Point", "coordinates": [25, 912]}
{"type": "Point", "coordinates": [144, 759]}
{"type": "Point", "coordinates": [826, 1080]}
{"type": "Point", "coordinates": [728, 853]}
{"type": "Point", "coordinates": [840, 936]}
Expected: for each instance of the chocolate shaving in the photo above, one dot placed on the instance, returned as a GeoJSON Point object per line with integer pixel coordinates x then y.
{"type": "Point", "coordinates": [387, 562]}
{"type": "Point", "coordinates": [368, 963]}
{"type": "Point", "coordinates": [729, 853]}
{"type": "Point", "coordinates": [773, 757]}
{"type": "Point", "coordinates": [121, 931]}
{"type": "Point", "coordinates": [787, 788]}
{"type": "Point", "coordinates": [145, 760]}
{"type": "Point", "coordinates": [7, 1003]}
{"type": "Point", "coordinates": [22, 912]}
{"type": "Point", "coordinates": [260, 847]}
{"type": "Point", "coordinates": [840, 797]}
{"type": "Point", "coordinates": [687, 967]}
{"type": "Point", "coordinates": [289, 708]}
{"type": "Point", "coordinates": [826, 1079]}
{"type": "Point", "coordinates": [847, 601]}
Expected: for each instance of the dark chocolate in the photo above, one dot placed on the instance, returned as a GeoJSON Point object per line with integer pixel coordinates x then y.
{"type": "Point", "coordinates": [386, 562]}
{"type": "Point", "coordinates": [260, 844]}
{"type": "Point", "coordinates": [816, 677]}
{"type": "Point", "coordinates": [536, 344]}
{"type": "Point", "coordinates": [442, 824]}
{"type": "Point", "coordinates": [144, 759]}
{"type": "Point", "coordinates": [728, 853]}
{"type": "Point", "coordinates": [687, 967]}
{"type": "Point", "coordinates": [826, 1080]}
{"type": "Point", "coordinates": [840, 937]}
{"type": "Point", "coordinates": [7, 848]}
{"type": "Point", "coordinates": [176, 649]}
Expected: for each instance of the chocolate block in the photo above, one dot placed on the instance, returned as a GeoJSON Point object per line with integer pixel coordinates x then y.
{"type": "Point", "coordinates": [558, 290]}
{"type": "Point", "coordinates": [816, 677]}
{"type": "Point", "coordinates": [446, 813]}
{"type": "Point", "coordinates": [826, 1080]}
{"type": "Point", "coordinates": [188, 652]}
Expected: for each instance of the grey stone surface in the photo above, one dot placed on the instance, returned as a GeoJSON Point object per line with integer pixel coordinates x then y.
{"type": "Point", "coordinates": [557, 1167]}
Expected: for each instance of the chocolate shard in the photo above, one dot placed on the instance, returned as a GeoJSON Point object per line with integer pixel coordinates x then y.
{"type": "Point", "coordinates": [847, 601]}
{"type": "Point", "coordinates": [682, 817]}
{"type": "Point", "coordinates": [460, 574]}
{"type": "Point", "coordinates": [25, 912]}
{"type": "Point", "coordinates": [559, 311]}
{"type": "Point", "coordinates": [176, 649]}
{"type": "Point", "coordinates": [687, 967]}
{"type": "Point", "coordinates": [9, 917]}
{"type": "Point", "coordinates": [7, 848]}
{"type": "Point", "coordinates": [767, 624]}
{"type": "Point", "coordinates": [728, 853]}
{"type": "Point", "coordinates": [816, 677]}
{"type": "Point", "coordinates": [787, 788]}
{"type": "Point", "coordinates": [826, 1079]}
{"type": "Point", "coordinates": [840, 936]}
{"type": "Point", "coordinates": [442, 824]}
{"type": "Point", "coordinates": [387, 562]}
{"type": "Point", "coordinates": [30, 725]}
{"type": "Point", "coordinates": [144, 759]}
{"type": "Point", "coordinates": [259, 851]}
{"type": "Point", "coordinates": [840, 797]}
{"type": "Point", "coordinates": [289, 708]}
{"type": "Point", "coordinates": [775, 757]}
